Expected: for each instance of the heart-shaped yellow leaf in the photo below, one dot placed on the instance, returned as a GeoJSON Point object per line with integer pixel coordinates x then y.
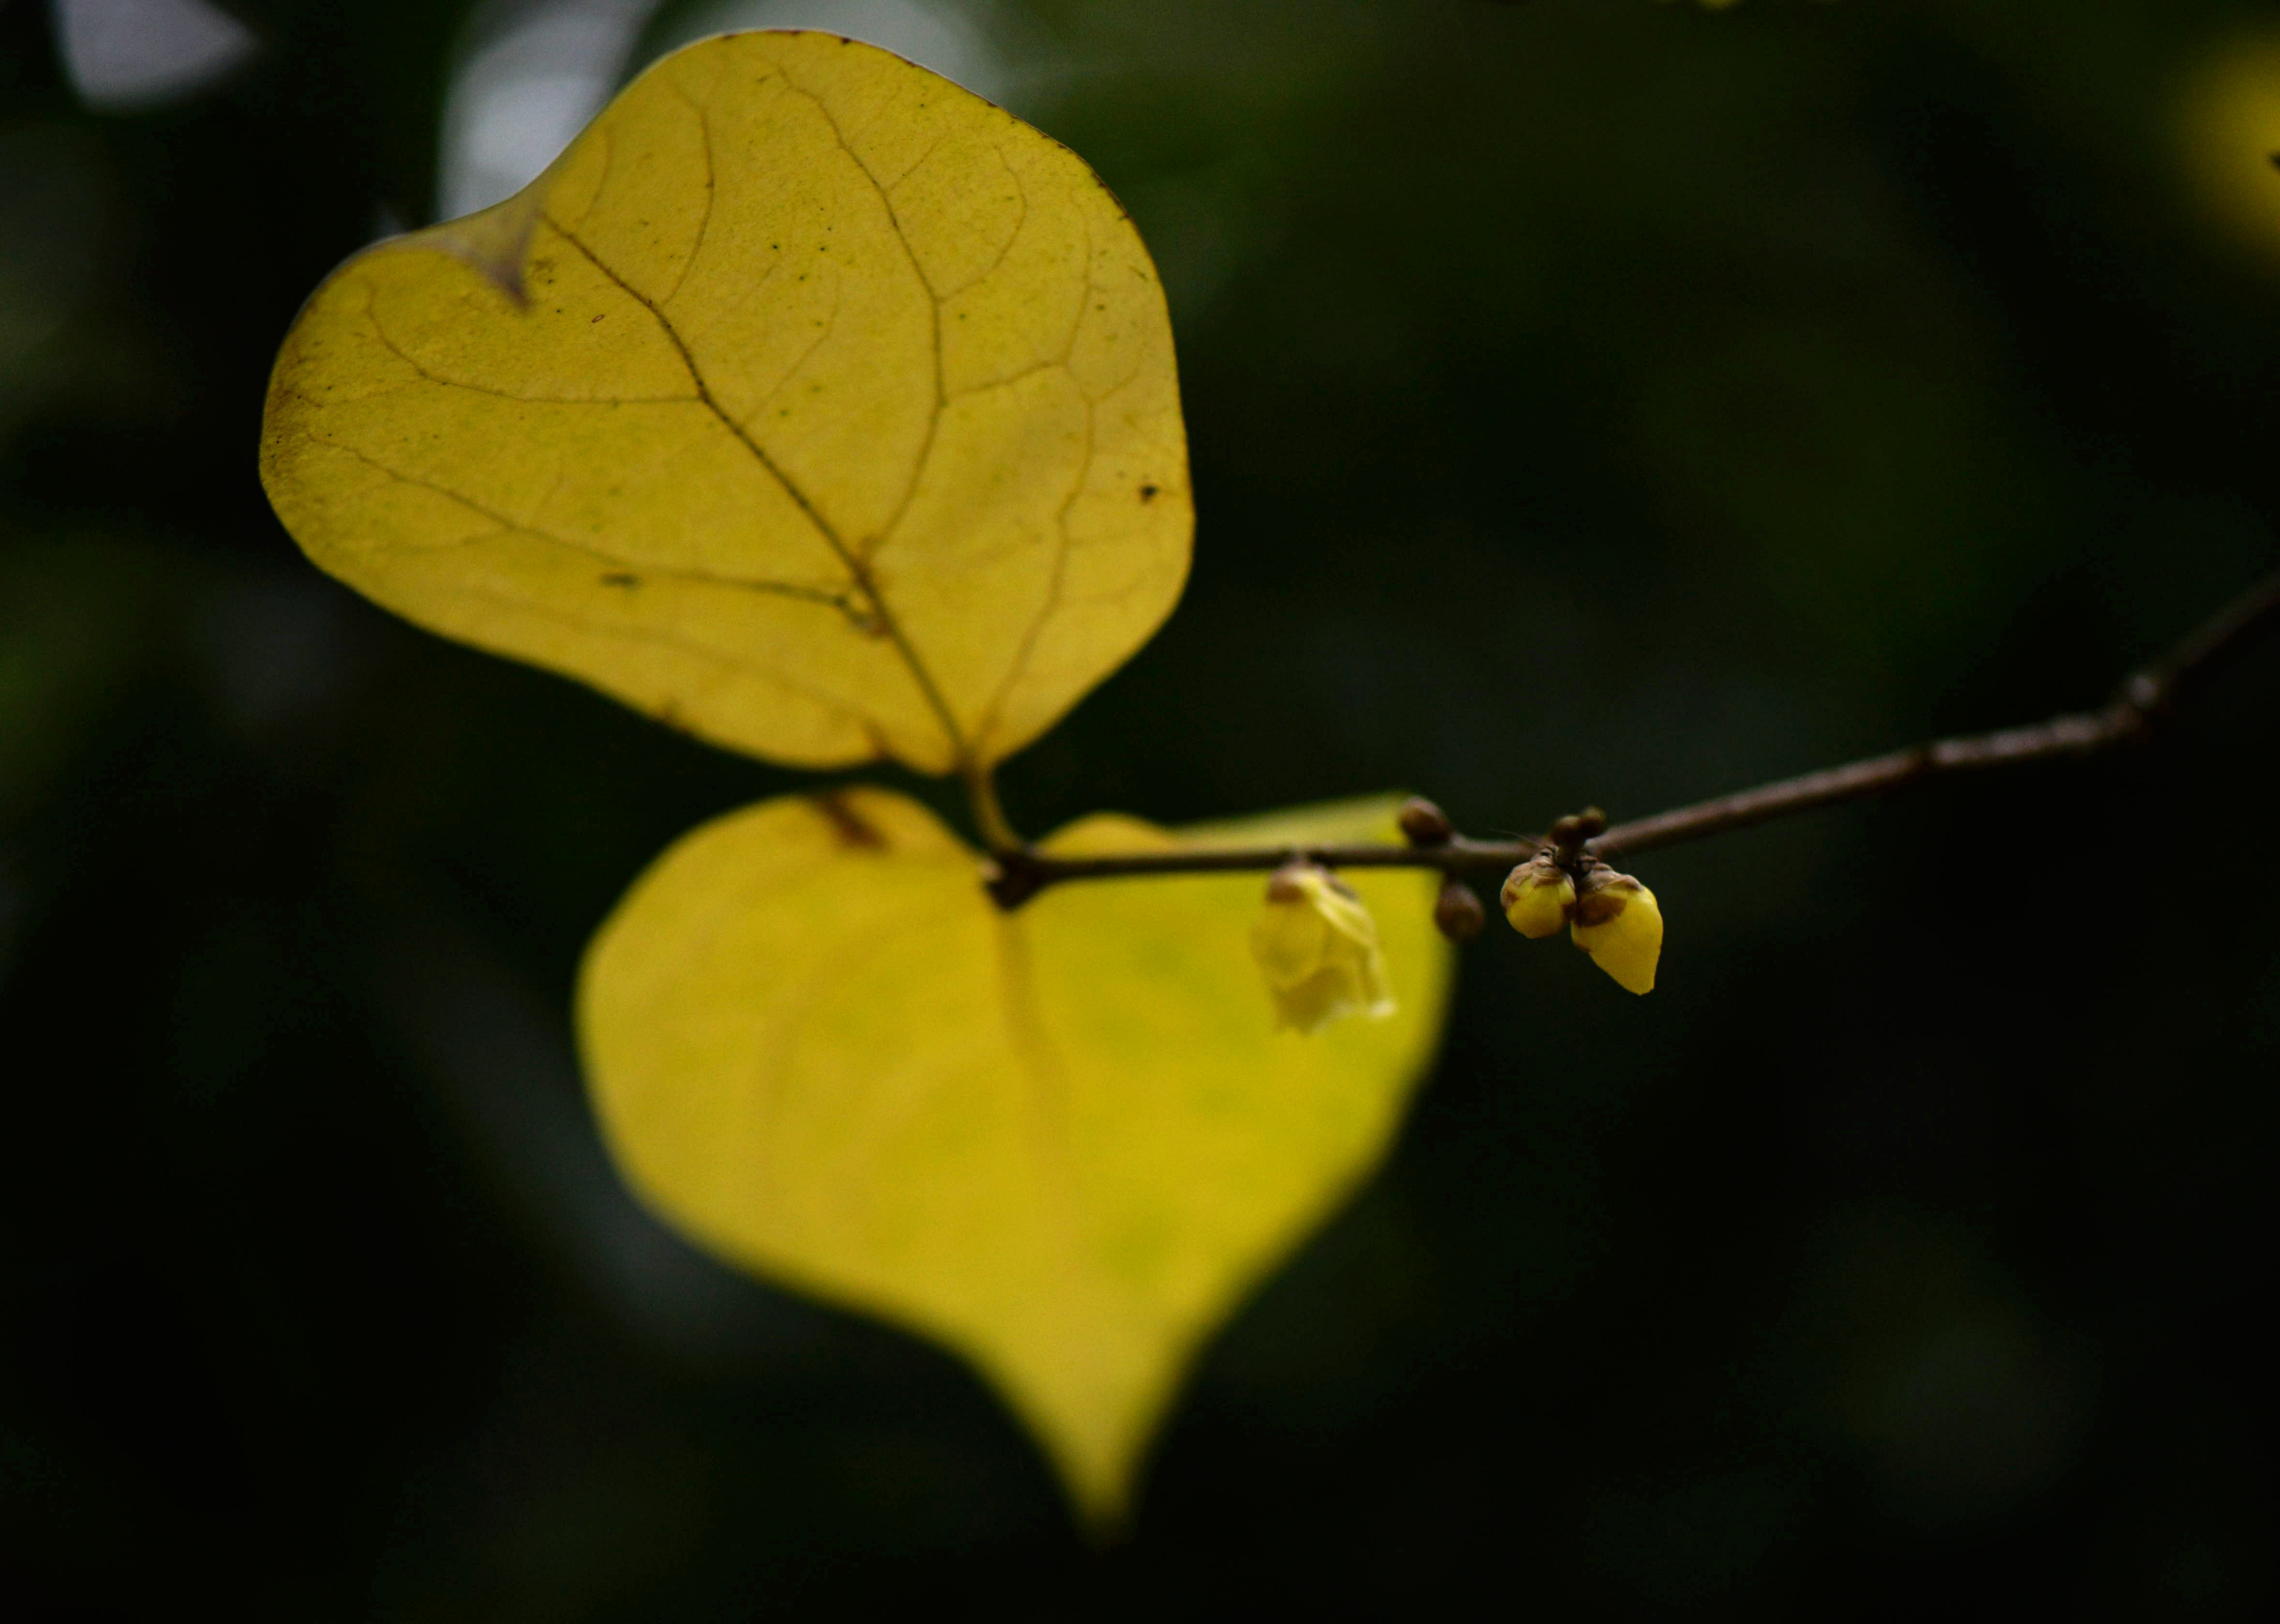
{"type": "Point", "coordinates": [808, 402]}
{"type": "Point", "coordinates": [1065, 1140]}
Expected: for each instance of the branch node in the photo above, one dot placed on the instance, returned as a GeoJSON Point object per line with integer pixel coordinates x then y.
{"type": "Point", "coordinates": [1572, 835]}
{"type": "Point", "coordinates": [1012, 876]}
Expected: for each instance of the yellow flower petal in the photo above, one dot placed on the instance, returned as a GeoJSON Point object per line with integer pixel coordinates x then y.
{"type": "Point", "coordinates": [1317, 947]}
{"type": "Point", "coordinates": [1620, 925]}
{"type": "Point", "coordinates": [1538, 896]}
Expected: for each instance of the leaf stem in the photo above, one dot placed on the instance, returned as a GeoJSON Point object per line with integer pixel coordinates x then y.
{"type": "Point", "coordinates": [2144, 700]}
{"type": "Point", "coordinates": [988, 816]}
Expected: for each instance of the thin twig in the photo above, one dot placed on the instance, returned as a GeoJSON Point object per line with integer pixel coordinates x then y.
{"type": "Point", "coordinates": [2143, 702]}
{"type": "Point", "coordinates": [1021, 874]}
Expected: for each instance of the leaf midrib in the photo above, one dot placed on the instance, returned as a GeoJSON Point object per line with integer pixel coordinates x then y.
{"type": "Point", "coordinates": [857, 570]}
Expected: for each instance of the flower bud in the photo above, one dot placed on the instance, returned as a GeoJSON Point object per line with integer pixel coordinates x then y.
{"type": "Point", "coordinates": [1618, 923]}
{"type": "Point", "coordinates": [1317, 947]}
{"type": "Point", "coordinates": [1457, 911]}
{"type": "Point", "coordinates": [1536, 896]}
{"type": "Point", "coordinates": [1572, 831]}
{"type": "Point", "coordinates": [1424, 823]}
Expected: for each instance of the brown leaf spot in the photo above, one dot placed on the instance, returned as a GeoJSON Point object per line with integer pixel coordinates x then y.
{"type": "Point", "coordinates": [1148, 493]}
{"type": "Point", "coordinates": [619, 577]}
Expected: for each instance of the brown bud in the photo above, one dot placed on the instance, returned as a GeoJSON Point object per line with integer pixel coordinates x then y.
{"type": "Point", "coordinates": [1424, 823]}
{"type": "Point", "coordinates": [1575, 829]}
{"type": "Point", "coordinates": [1457, 911]}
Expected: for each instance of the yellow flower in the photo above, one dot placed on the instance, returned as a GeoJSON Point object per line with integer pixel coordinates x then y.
{"type": "Point", "coordinates": [1618, 923]}
{"type": "Point", "coordinates": [1317, 947]}
{"type": "Point", "coordinates": [1538, 896]}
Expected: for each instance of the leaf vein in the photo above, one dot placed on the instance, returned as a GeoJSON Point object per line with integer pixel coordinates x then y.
{"type": "Point", "coordinates": [887, 621]}
{"type": "Point", "coordinates": [711, 194]}
{"type": "Point", "coordinates": [669, 640]}
{"type": "Point", "coordinates": [833, 597]}
{"type": "Point", "coordinates": [380, 332]}
{"type": "Point", "coordinates": [933, 316]}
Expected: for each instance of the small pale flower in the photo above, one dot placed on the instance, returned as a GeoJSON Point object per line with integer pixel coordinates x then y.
{"type": "Point", "coordinates": [1538, 896]}
{"type": "Point", "coordinates": [1317, 947]}
{"type": "Point", "coordinates": [1618, 924]}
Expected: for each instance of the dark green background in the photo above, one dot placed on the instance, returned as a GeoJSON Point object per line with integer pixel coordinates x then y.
{"type": "Point", "coordinates": [1591, 400]}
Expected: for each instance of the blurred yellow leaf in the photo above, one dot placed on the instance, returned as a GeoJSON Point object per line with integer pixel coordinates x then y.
{"type": "Point", "coordinates": [808, 402]}
{"type": "Point", "coordinates": [1065, 1140]}
{"type": "Point", "coordinates": [2228, 131]}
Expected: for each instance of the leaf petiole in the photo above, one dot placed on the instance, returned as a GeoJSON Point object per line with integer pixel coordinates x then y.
{"type": "Point", "coordinates": [989, 821]}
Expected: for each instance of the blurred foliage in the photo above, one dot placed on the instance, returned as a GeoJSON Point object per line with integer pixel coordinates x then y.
{"type": "Point", "coordinates": [1590, 402]}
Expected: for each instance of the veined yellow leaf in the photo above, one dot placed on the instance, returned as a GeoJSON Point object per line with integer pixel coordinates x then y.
{"type": "Point", "coordinates": [1064, 1140]}
{"type": "Point", "coordinates": [808, 402]}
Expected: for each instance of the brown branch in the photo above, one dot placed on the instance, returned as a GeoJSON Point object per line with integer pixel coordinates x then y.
{"type": "Point", "coordinates": [2143, 702]}
{"type": "Point", "coordinates": [1021, 874]}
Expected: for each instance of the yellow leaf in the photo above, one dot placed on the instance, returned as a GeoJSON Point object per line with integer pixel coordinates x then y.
{"type": "Point", "coordinates": [1065, 1142]}
{"type": "Point", "coordinates": [2230, 129]}
{"type": "Point", "coordinates": [808, 402]}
